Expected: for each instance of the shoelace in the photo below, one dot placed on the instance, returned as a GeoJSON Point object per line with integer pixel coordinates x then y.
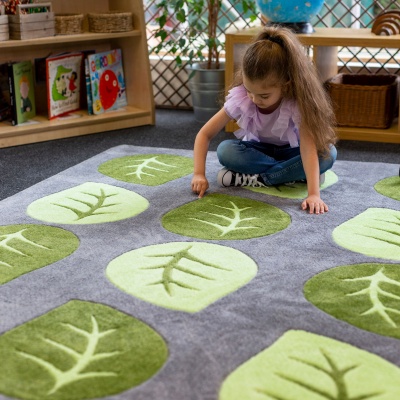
{"type": "Point", "coordinates": [248, 180]}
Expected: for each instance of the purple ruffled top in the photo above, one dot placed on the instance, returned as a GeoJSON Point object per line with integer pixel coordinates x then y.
{"type": "Point", "coordinates": [280, 127]}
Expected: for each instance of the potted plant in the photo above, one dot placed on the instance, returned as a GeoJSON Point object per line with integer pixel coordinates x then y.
{"type": "Point", "coordinates": [189, 31]}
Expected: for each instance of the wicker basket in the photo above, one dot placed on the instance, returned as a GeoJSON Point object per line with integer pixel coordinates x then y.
{"type": "Point", "coordinates": [368, 101]}
{"type": "Point", "coordinates": [69, 24]}
{"type": "Point", "coordinates": [112, 21]}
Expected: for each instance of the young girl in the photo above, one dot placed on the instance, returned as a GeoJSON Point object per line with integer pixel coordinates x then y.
{"type": "Point", "coordinates": [285, 117]}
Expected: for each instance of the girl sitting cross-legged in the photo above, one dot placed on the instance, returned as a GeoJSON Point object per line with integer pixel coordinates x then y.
{"type": "Point", "coordinates": [285, 117]}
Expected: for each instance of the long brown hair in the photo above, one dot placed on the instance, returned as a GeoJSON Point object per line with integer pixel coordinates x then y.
{"type": "Point", "coordinates": [277, 54]}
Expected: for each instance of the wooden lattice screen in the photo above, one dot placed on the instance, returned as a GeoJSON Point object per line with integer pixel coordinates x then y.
{"type": "Point", "coordinates": [170, 83]}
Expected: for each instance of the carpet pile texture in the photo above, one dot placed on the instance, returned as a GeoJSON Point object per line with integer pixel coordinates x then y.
{"type": "Point", "coordinates": [117, 282]}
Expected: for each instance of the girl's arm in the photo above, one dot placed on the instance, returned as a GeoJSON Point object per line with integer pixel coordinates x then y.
{"type": "Point", "coordinates": [309, 157]}
{"type": "Point", "coordinates": [203, 138]}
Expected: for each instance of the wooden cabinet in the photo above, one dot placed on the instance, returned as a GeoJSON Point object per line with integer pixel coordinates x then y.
{"type": "Point", "coordinates": [140, 109]}
{"type": "Point", "coordinates": [325, 43]}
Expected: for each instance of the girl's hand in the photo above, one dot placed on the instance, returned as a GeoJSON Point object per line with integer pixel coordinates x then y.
{"type": "Point", "coordinates": [199, 184]}
{"type": "Point", "coordinates": [315, 204]}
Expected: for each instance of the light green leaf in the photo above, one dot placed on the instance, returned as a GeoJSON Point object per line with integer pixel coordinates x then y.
{"type": "Point", "coordinates": [89, 203]}
{"type": "Point", "coordinates": [389, 187]}
{"type": "Point", "coordinates": [375, 233]}
{"type": "Point", "coordinates": [364, 295]}
{"type": "Point", "coordinates": [185, 276]}
{"type": "Point", "coordinates": [295, 190]}
{"type": "Point", "coordinates": [223, 217]}
{"type": "Point", "coordinates": [147, 169]}
{"type": "Point", "coordinates": [80, 350]}
{"type": "Point", "coordinates": [24, 248]}
{"type": "Point", "coordinates": [302, 365]}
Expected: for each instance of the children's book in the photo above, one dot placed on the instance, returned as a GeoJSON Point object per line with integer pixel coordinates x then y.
{"type": "Point", "coordinates": [22, 92]}
{"type": "Point", "coordinates": [107, 81]}
{"type": "Point", "coordinates": [63, 79]}
{"type": "Point", "coordinates": [88, 88]}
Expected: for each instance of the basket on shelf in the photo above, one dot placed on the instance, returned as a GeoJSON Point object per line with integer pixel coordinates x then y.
{"type": "Point", "coordinates": [4, 30]}
{"type": "Point", "coordinates": [69, 24]}
{"type": "Point", "coordinates": [367, 101]}
{"type": "Point", "coordinates": [111, 21]}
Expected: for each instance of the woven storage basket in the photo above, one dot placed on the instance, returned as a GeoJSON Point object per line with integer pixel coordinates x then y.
{"type": "Point", "coordinates": [367, 101]}
{"type": "Point", "coordinates": [69, 24]}
{"type": "Point", "coordinates": [112, 21]}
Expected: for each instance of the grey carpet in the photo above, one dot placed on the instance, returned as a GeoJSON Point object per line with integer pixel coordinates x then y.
{"type": "Point", "coordinates": [204, 347]}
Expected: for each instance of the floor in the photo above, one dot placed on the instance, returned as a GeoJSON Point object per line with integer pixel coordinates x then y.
{"type": "Point", "coordinates": [23, 166]}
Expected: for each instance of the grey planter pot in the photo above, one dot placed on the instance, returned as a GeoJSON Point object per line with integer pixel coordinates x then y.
{"type": "Point", "coordinates": [207, 87]}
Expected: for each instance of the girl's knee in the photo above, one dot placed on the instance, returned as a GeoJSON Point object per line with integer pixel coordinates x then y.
{"type": "Point", "coordinates": [327, 162]}
{"type": "Point", "coordinates": [226, 149]}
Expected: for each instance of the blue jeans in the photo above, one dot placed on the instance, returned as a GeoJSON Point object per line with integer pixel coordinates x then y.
{"type": "Point", "coordinates": [274, 164]}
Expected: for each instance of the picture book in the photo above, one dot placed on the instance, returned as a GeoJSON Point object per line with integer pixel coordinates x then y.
{"type": "Point", "coordinates": [88, 88]}
{"type": "Point", "coordinates": [5, 111]}
{"type": "Point", "coordinates": [107, 81]}
{"type": "Point", "coordinates": [22, 92]}
{"type": "Point", "coordinates": [63, 79]}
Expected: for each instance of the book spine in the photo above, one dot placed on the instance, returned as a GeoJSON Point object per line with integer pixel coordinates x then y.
{"type": "Point", "coordinates": [88, 88]}
{"type": "Point", "coordinates": [13, 103]}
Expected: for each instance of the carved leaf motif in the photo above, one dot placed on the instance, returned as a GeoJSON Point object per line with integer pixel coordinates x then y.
{"type": "Point", "coordinates": [78, 351]}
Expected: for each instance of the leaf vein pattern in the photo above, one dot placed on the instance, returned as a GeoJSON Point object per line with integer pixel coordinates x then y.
{"type": "Point", "coordinates": [336, 374]}
{"type": "Point", "coordinates": [82, 360]}
{"type": "Point", "coordinates": [94, 208]}
{"type": "Point", "coordinates": [373, 291]}
{"type": "Point", "coordinates": [146, 164]}
{"type": "Point", "coordinates": [233, 222]}
{"type": "Point", "coordinates": [8, 237]}
{"type": "Point", "coordinates": [167, 279]}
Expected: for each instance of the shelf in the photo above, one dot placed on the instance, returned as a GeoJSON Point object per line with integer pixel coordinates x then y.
{"type": "Point", "coordinates": [325, 43]}
{"type": "Point", "coordinates": [139, 91]}
{"type": "Point", "coordinates": [391, 135]}
{"type": "Point", "coordinates": [79, 124]}
{"type": "Point", "coordinates": [83, 37]}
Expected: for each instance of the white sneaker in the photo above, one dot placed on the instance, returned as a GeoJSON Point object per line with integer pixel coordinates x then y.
{"type": "Point", "coordinates": [227, 178]}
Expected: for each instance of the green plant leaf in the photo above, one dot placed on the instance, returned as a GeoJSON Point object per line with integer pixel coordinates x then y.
{"type": "Point", "coordinates": [147, 169]}
{"type": "Point", "coordinates": [80, 350]}
{"type": "Point", "coordinates": [24, 248]}
{"type": "Point", "coordinates": [223, 217]}
{"type": "Point", "coordinates": [89, 203]}
{"type": "Point", "coordinates": [389, 187]}
{"type": "Point", "coordinates": [375, 233]}
{"type": "Point", "coordinates": [186, 276]}
{"type": "Point", "coordinates": [364, 295]}
{"type": "Point", "coordinates": [295, 190]}
{"type": "Point", "coordinates": [302, 365]}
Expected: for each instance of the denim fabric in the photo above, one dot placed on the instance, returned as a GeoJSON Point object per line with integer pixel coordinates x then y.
{"type": "Point", "coordinates": [274, 164]}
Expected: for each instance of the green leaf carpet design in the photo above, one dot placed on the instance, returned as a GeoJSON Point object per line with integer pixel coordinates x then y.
{"type": "Point", "coordinates": [224, 217]}
{"type": "Point", "coordinates": [24, 248]}
{"type": "Point", "coordinates": [80, 350]}
{"type": "Point", "coordinates": [364, 295]}
{"type": "Point", "coordinates": [186, 276]}
{"type": "Point", "coordinates": [375, 233]}
{"type": "Point", "coordinates": [147, 169]}
{"type": "Point", "coordinates": [89, 203]}
{"type": "Point", "coordinates": [389, 187]}
{"type": "Point", "coordinates": [296, 190]}
{"type": "Point", "coordinates": [302, 365]}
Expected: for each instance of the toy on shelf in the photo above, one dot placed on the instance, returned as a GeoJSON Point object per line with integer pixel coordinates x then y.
{"type": "Point", "coordinates": [387, 23]}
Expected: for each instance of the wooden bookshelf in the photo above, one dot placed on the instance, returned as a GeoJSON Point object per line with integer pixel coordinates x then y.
{"type": "Point", "coordinates": [325, 43]}
{"type": "Point", "coordinates": [140, 109]}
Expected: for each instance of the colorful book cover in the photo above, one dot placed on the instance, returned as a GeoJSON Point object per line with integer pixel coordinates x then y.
{"type": "Point", "coordinates": [88, 88]}
{"type": "Point", "coordinates": [63, 79]}
{"type": "Point", "coordinates": [107, 81]}
{"type": "Point", "coordinates": [22, 92]}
